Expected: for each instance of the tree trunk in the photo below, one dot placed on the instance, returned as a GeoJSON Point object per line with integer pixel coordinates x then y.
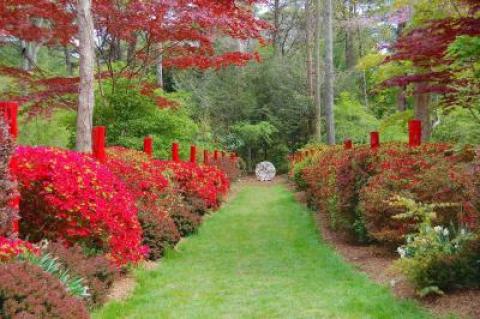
{"type": "Point", "coordinates": [401, 99]}
{"type": "Point", "coordinates": [317, 78]}
{"type": "Point", "coordinates": [276, 25]}
{"type": "Point", "coordinates": [329, 73]}
{"type": "Point", "coordinates": [132, 47]}
{"type": "Point", "coordinates": [68, 61]}
{"type": "Point", "coordinates": [159, 66]}
{"type": "Point", "coordinates": [349, 51]}
{"type": "Point", "coordinates": [87, 63]}
{"type": "Point", "coordinates": [422, 111]}
{"type": "Point", "coordinates": [308, 47]}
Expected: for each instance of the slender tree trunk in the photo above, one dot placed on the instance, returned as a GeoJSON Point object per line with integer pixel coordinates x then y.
{"type": "Point", "coordinates": [276, 25]}
{"type": "Point", "coordinates": [132, 46]}
{"type": "Point", "coordinates": [317, 78]}
{"type": "Point", "coordinates": [86, 98]}
{"type": "Point", "coordinates": [308, 47]}
{"type": "Point", "coordinates": [159, 66]}
{"type": "Point", "coordinates": [422, 111]}
{"type": "Point", "coordinates": [349, 51]}
{"type": "Point", "coordinates": [329, 73]}
{"type": "Point", "coordinates": [401, 99]}
{"type": "Point", "coordinates": [68, 61]}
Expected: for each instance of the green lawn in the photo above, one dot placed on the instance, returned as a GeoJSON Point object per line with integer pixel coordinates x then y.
{"type": "Point", "coordinates": [259, 257]}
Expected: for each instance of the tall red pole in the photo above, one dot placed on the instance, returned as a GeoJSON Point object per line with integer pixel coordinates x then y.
{"type": "Point", "coordinates": [206, 159]}
{"type": "Point", "coordinates": [374, 140]}
{"type": "Point", "coordinates": [98, 143]}
{"type": "Point", "coordinates": [175, 152]}
{"type": "Point", "coordinates": [215, 155]}
{"type": "Point", "coordinates": [9, 111]}
{"type": "Point", "coordinates": [148, 145]}
{"type": "Point", "coordinates": [193, 154]}
{"type": "Point", "coordinates": [347, 144]}
{"type": "Point", "coordinates": [414, 132]}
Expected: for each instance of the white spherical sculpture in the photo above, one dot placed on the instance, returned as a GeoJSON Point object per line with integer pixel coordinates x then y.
{"type": "Point", "coordinates": [265, 171]}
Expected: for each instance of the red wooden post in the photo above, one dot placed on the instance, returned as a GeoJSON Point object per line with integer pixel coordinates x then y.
{"type": "Point", "coordinates": [175, 152]}
{"type": "Point", "coordinates": [215, 155]}
{"type": "Point", "coordinates": [347, 144]}
{"type": "Point", "coordinates": [193, 154]}
{"type": "Point", "coordinates": [374, 140]}
{"type": "Point", "coordinates": [223, 154]}
{"type": "Point", "coordinates": [206, 159]}
{"type": "Point", "coordinates": [148, 145]}
{"type": "Point", "coordinates": [98, 143]}
{"type": "Point", "coordinates": [414, 132]}
{"type": "Point", "coordinates": [10, 113]}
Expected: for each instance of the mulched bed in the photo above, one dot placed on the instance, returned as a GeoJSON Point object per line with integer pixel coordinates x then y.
{"type": "Point", "coordinates": [377, 263]}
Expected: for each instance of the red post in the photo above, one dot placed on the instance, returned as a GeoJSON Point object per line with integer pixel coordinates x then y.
{"type": "Point", "coordinates": [233, 156]}
{"type": "Point", "coordinates": [347, 144]}
{"type": "Point", "coordinates": [193, 154]}
{"type": "Point", "coordinates": [215, 155]}
{"type": "Point", "coordinates": [374, 140]}
{"type": "Point", "coordinates": [148, 145]}
{"type": "Point", "coordinates": [223, 154]}
{"type": "Point", "coordinates": [175, 152]}
{"type": "Point", "coordinates": [206, 159]}
{"type": "Point", "coordinates": [10, 113]}
{"type": "Point", "coordinates": [98, 143]}
{"type": "Point", "coordinates": [414, 132]}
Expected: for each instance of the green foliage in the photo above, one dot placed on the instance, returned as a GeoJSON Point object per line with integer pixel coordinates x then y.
{"type": "Point", "coordinates": [130, 116]}
{"type": "Point", "coordinates": [51, 131]}
{"type": "Point", "coordinates": [394, 128]}
{"type": "Point", "coordinates": [353, 120]}
{"type": "Point", "coordinates": [459, 126]}
{"type": "Point", "coordinates": [265, 104]}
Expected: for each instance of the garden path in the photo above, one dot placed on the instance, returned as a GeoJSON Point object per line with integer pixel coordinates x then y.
{"type": "Point", "coordinates": [259, 257]}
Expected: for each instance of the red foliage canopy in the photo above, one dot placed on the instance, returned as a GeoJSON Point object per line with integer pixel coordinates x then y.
{"type": "Point", "coordinates": [426, 47]}
{"type": "Point", "coordinates": [187, 30]}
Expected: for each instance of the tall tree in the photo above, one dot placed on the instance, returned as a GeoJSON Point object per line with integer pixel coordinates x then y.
{"type": "Point", "coordinates": [308, 48]}
{"type": "Point", "coordinates": [329, 73]}
{"type": "Point", "coordinates": [317, 78]}
{"type": "Point", "coordinates": [86, 97]}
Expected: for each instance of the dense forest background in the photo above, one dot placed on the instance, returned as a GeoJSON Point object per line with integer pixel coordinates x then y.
{"type": "Point", "coordinates": [277, 103]}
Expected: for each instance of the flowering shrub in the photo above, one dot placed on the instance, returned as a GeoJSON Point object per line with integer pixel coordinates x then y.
{"type": "Point", "coordinates": [11, 248]}
{"type": "Point", "coordinates": [352, 186]}
{"type": "Point", "coordinates": [153, 197]}
{"type": "Point", "coordinates": [70, 197]}
{"type": "Point", "coordinates": [26, 291]}
{"type": "Point", "coordinates": [197, 181]}
{"type": "Point", "coordinates": [436, 258]}
{"type": "Point", "coordinates": [8, 212]}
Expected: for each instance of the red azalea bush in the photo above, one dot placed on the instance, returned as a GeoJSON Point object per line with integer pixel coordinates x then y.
{"type": "Point", "coordinates": [8, 212]}
{"type": "Point", "coordinates": [26, 291]}
{"type": "Point", "coordinates": [68, 196]}
{"type": "Point", "coordinates": [152, 194]}
{"type": "Point", "coordinates": [204, 182]}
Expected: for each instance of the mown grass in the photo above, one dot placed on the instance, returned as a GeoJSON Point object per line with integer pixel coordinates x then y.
{"type": "Point", "coordinates": [259, 257]}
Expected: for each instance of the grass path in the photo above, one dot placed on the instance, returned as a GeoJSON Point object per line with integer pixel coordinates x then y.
{"type": "Point", "coordinates": [259, 257]}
